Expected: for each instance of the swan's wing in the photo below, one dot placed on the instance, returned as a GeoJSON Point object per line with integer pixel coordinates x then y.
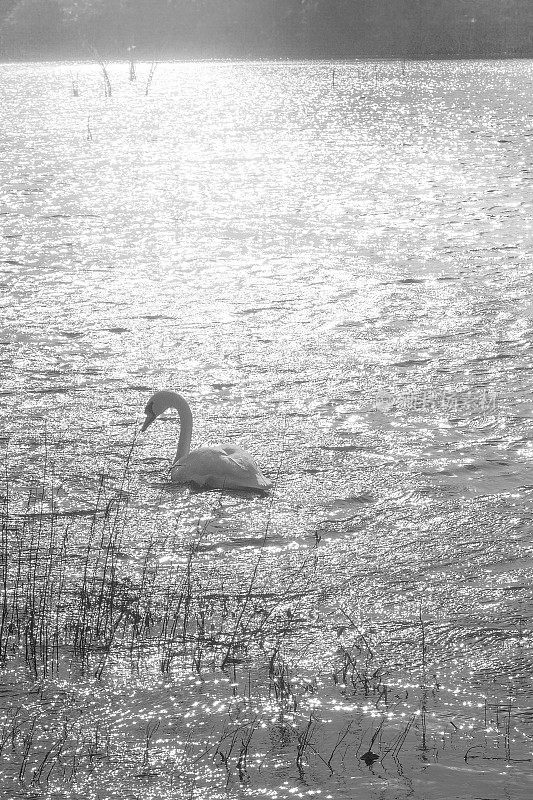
{"type": "Point", "coordinates": [220, 467]}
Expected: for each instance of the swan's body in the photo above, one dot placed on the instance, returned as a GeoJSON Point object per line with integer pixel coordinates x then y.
{"type": "Point", "coordinates": [223, 466]}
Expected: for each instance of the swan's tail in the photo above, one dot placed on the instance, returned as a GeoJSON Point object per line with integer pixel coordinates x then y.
{"type": "Point", "coordinates": [263, 482]}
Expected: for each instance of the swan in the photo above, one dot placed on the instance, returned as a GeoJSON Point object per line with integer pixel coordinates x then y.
{"type": "Point", "coordinates": [222, 466]}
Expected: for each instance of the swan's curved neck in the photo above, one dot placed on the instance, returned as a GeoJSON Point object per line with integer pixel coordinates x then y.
{"type": "Point", "coordinates": [183, 409]}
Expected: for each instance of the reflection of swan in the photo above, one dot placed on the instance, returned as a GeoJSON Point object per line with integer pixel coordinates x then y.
{"type": "Point", "coordinates": [223, 466]}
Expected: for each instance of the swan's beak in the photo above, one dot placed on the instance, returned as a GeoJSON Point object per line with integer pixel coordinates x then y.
{"type": "Point", "coordinates": [150, 417]}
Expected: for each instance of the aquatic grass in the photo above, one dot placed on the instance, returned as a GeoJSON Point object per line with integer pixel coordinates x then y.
{"type": "Point", "coordinates": [356, 667]}
{"type": "Point", "coordinates": [81, 597]}
{"type": "Point", "coordinates": [253, 577]}
{"type": "Point", "coordinates": [67, 600]}
{"type": "Point", "coordinates": [304, 740]}
{"type": "Point", "coordinates": [64, 586]}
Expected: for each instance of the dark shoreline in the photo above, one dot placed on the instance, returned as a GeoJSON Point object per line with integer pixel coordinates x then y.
{"type": "Point", "coordinates": [70, 59]}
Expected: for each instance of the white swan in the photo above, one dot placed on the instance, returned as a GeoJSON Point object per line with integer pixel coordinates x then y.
{"type": "Point", "coordinates": [223, 466]}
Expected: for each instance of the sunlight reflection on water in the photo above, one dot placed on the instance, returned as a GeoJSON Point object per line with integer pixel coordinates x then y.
{"type": "Point", "coordinates": [335, 278]}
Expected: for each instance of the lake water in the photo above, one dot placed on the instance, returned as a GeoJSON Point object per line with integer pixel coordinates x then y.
{"type": "Point", "coordinates": [337, 275]}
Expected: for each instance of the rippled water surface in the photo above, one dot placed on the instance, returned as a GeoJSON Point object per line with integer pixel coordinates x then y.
{"type": "Point", "coordinates": [338, 278]}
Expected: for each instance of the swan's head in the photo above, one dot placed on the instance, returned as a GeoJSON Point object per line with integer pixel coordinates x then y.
{"type": "Point", "coordinates": [156, 405]}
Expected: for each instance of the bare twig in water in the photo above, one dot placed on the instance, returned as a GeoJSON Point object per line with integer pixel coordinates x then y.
{"type": "Point", "coordinates": [75, 85]}
{"type": "Point", "coordinates": [105, 74]}
{"type": "Point", "coordinates": [131, 54]}
{"type": "Point", "coordinates": [153, 67]}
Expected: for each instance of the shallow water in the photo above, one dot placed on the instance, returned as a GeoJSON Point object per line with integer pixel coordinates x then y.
{"type": "Point", "coordinates": [339, 280]}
